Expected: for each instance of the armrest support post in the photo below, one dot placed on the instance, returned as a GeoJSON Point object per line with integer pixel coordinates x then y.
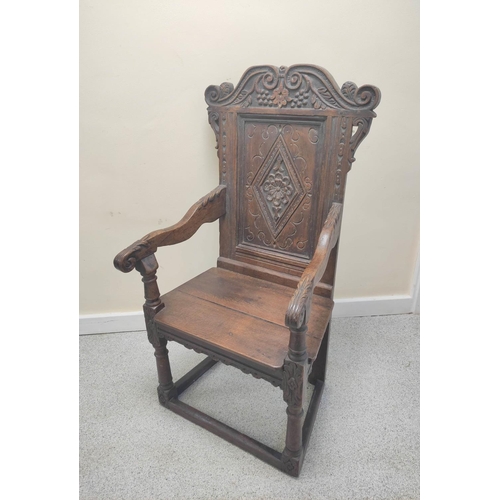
{"type": "Point", "coordinates": [295, 363]}
{"type": "Point", "coordinates": [148, 267]}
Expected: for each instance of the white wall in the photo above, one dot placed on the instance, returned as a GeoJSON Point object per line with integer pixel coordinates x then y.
{"type": "Point", "coordinates": [147, 151]}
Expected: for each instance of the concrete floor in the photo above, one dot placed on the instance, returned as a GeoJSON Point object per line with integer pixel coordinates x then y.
{"type": "Point", "coordinates": [365, 444]}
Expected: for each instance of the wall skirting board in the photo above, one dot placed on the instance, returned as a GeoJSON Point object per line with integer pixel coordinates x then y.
{"type": "Point", "coordinates": [364, 306]}
{"type": "Point", "coordinates": [369, 306]}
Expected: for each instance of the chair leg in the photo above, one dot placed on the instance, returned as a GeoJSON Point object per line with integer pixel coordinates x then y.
{"type": "Point", "coordinates": [166, 388]}
{"type": "Point", "coordinates": [293, 393]}
{"type": "Point", "coordinates": [147, 267]}
{"type": "Point", "coordinates": [318, 370]}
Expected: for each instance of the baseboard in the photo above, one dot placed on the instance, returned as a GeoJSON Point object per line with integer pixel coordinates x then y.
{"type": "Point", "coordinates": [112, 323]}
{"type": "Point", "coordinates": [373, 306]}
{"type": "Point", "coordinates": [367, 306]}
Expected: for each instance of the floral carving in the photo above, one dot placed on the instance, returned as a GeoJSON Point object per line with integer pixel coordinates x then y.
{"type": "Point", "coordinates": [149, 315]}
{"type": "Point", "coordinates": [293, 382]}
{"type": "Point", "coordinates": [278, 188]}
{"type": "Point", "coordinates": [299, 85]}
{"type": "Point", "coordinates": [349, 90]}
{"type": "Point", "coordinates": [280, 96]}
{"type": "Point", "coordinates": [226, 88]}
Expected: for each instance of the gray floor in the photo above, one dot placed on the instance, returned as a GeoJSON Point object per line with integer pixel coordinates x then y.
{"type": "Point", "coordinates": [365, 444]}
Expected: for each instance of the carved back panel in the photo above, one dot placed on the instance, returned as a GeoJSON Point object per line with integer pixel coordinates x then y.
{"type": "Point", "coordinates": [286, 138]}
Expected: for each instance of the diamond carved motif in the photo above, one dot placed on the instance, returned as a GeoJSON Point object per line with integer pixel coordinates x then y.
{"type": "Point", "coordinates": [277, 187]}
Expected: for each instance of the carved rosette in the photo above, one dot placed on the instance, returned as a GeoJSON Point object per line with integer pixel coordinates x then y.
{"type": "Point", "coordinates": [278, 187]}
{"type": "Point", "coordinates": [293, 383]}
{"type": "Point", "coordinates": [298, 86]}
{"type": "Point", "coordinates": [291, 465]}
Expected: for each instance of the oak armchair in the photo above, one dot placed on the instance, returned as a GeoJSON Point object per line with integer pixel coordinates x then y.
{"type": "Point", "coordinates": [286, 139]}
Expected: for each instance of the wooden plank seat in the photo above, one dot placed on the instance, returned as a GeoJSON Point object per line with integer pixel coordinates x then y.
{"type": "Point", "coordinates": [221, 311]}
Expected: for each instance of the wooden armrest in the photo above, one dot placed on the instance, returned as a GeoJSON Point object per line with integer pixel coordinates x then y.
{"type": "Point", "coordinates": [297, 314]}
{"type": "Point", "coordinates": [210, 208]}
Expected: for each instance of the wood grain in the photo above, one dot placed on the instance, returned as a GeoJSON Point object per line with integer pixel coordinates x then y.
{"type": "Point", "coordinates": [239, 314]}
{"type": "Point", "coordinates": [208, 209]}
{"type": "Point", "coordinates": [286, 139]}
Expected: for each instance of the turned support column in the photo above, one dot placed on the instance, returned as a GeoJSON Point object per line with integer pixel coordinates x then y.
{"type": "Point", "coordinates": [294, 377]}
{"type": "Point", "coordinates": [148, 267]}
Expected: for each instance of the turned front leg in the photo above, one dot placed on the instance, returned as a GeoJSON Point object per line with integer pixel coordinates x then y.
{"type": "Point", "coordinates": [294, 377]}
{"type": "Point", "coordinates": [148, 267]}
{"type": "Point", "coordinates": [166, 389]}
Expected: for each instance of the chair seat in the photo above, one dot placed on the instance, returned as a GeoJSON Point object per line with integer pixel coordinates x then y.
{"type": "Point", "coordinates": [240, 316]}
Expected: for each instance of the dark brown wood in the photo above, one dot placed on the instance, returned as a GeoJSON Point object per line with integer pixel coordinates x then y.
{"type": "Point", "coordinates": [240, 315]}
{"type": "Point", "coordinates": [297, 315]}
{"type": "Point", "coordinates": [311, 413]}
{"type": "Point", "coordinates": [208, 209]}
{"type": "Point", "coordinates": [148, 267]}
{"type": "Point", "coordinates": [318, 368]}
{"type": "Point", "coordinates": [322, 289]}
{"type": "Point", "coordinates": [228, 433]}
{"type": "Point", "coordinates": [193, 375]}
{"type": "Point", "coordinates": [286, 140]}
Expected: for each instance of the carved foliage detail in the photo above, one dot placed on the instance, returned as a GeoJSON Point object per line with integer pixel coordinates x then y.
{"type": "Point", "coordinates": [210, 197]}
{"type": "Point", "coordinates": [218, 123]}
{"type": "Point", "coordinates": [293, 383]}
{"type": "Point", "coordinates": [363, 125]}
{"type": "Point", "coordinates": [149, 314]}
{"type": "Point", "coordinates": [298, 309]}
{"type": "Point", "coordinates": [297, 86]}
{"type": "Point", "coordinates": [213, 119]}
{"type": "Point", "coordinates": [340, 157]}
{"type": "Point", "coordinates": [126, 260]}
